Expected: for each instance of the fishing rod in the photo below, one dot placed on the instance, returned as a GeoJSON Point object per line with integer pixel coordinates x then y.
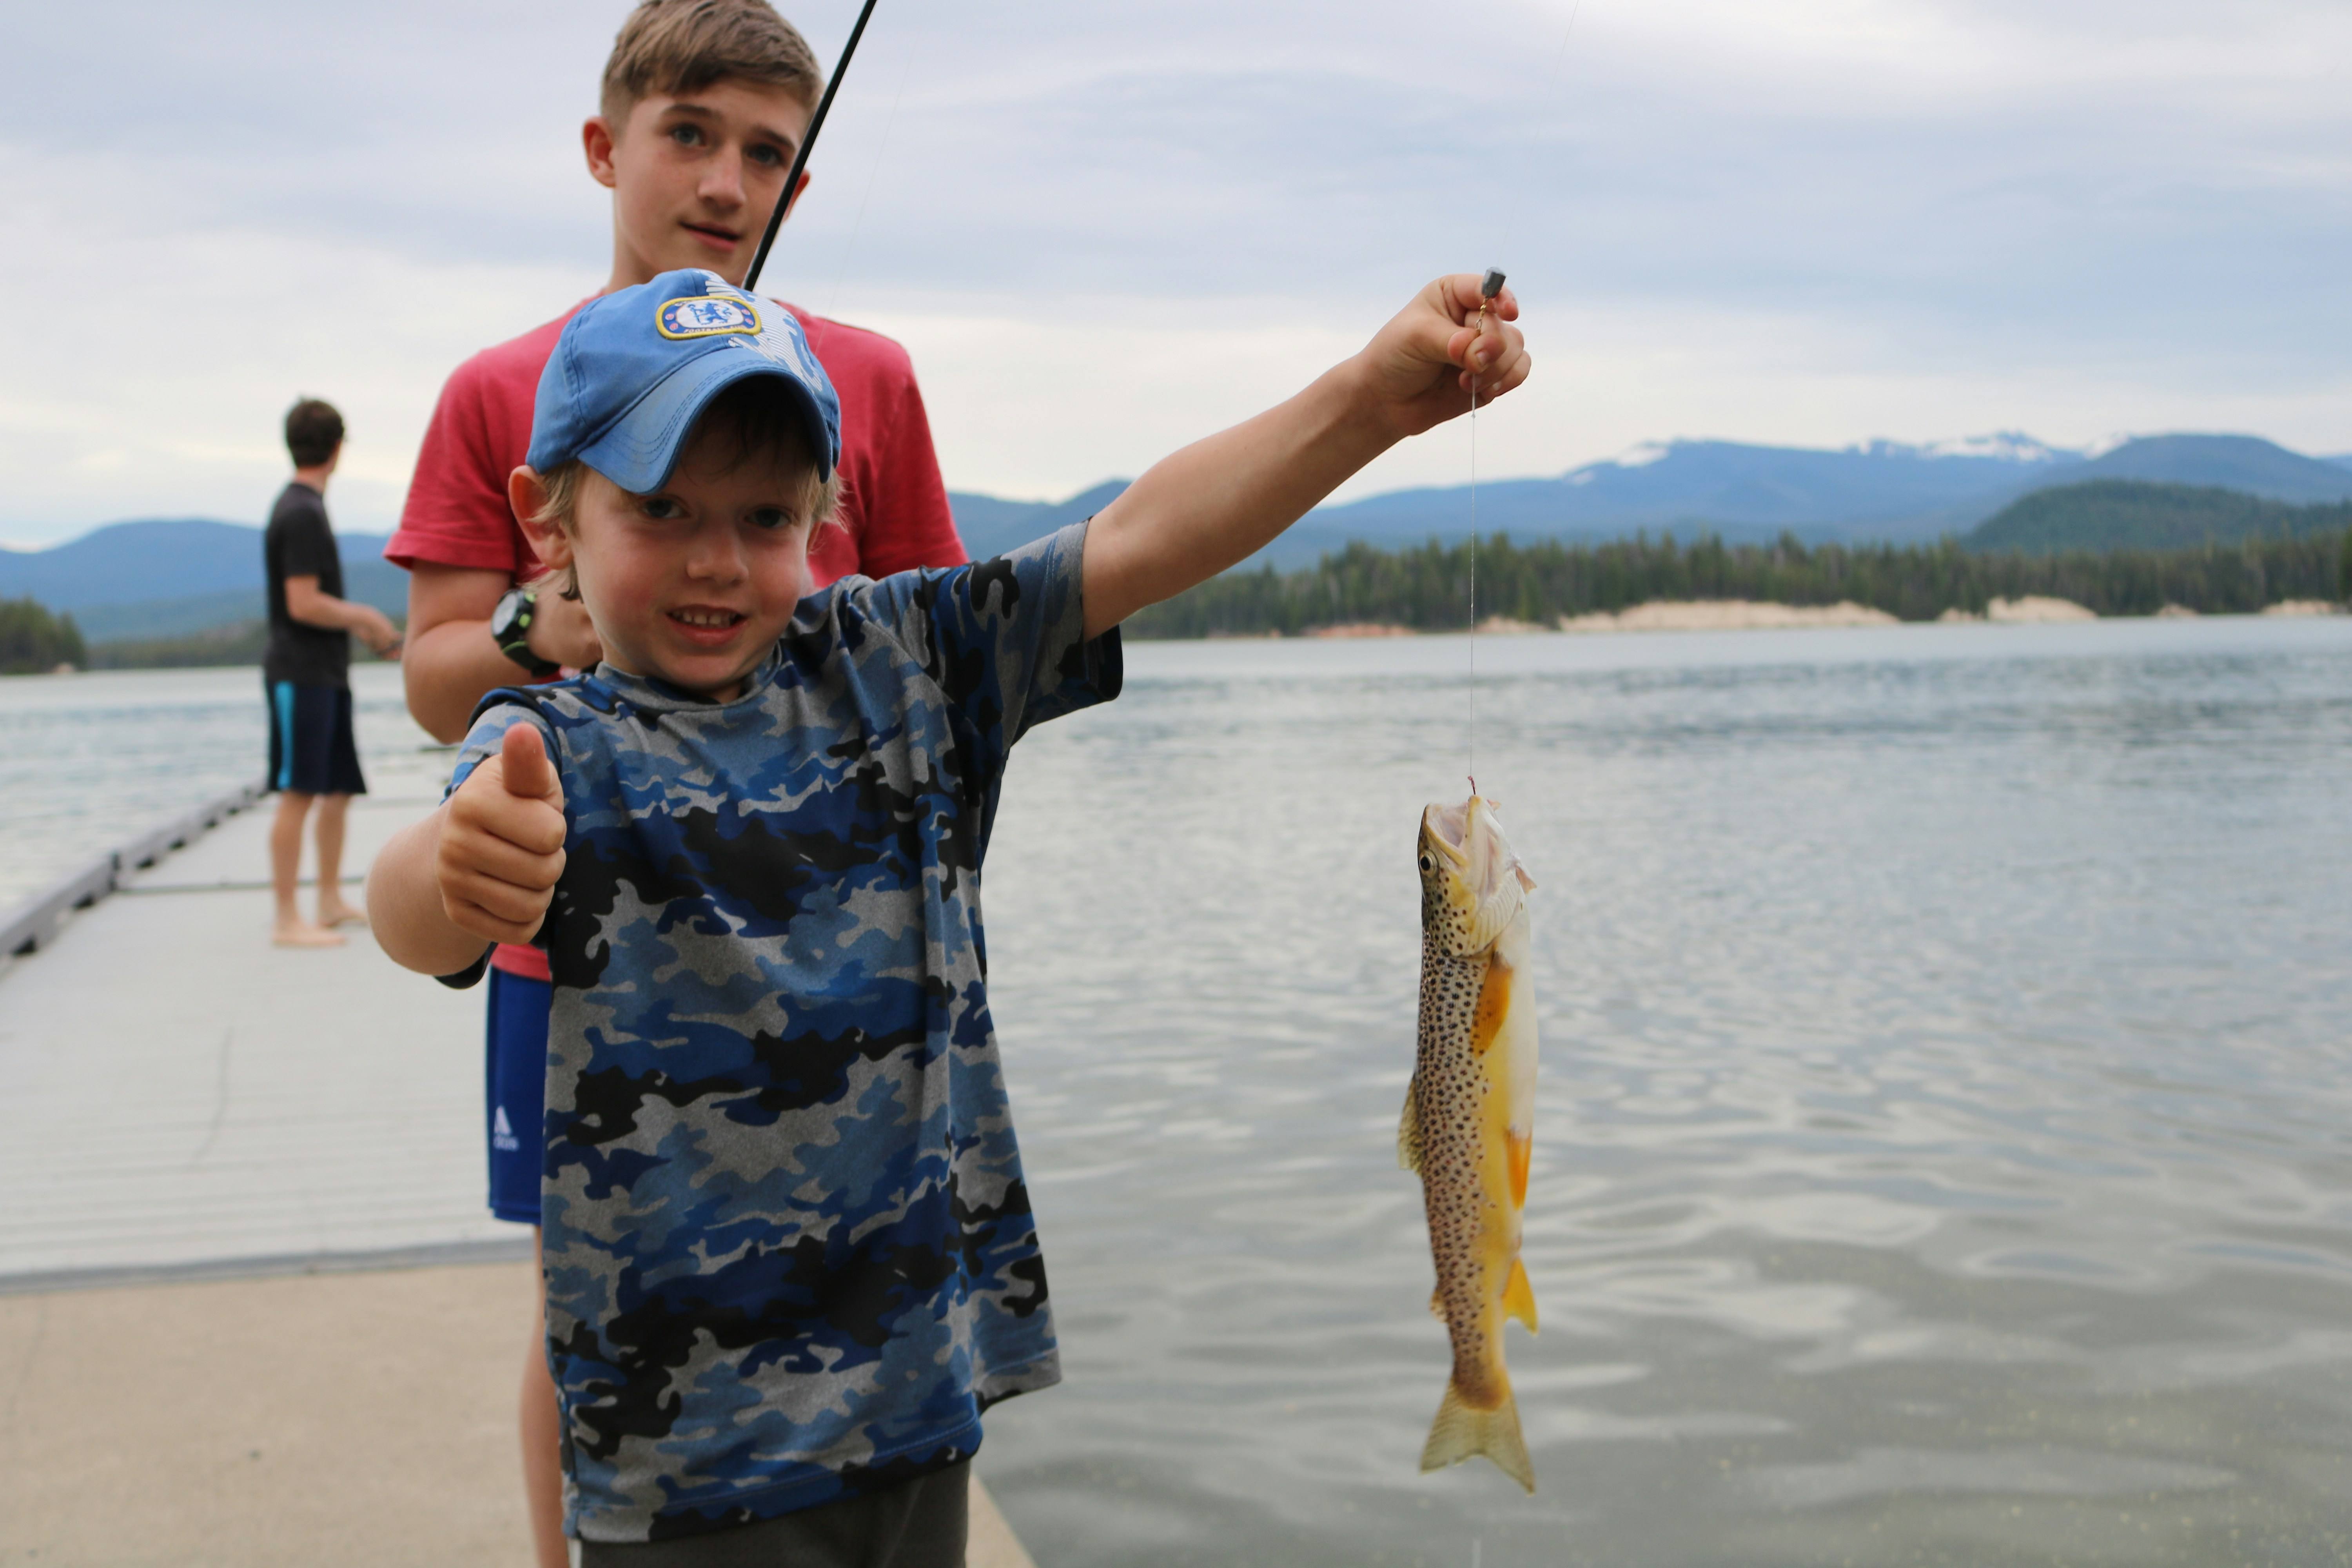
{"type": "Point", "coordinates": [799, 159]}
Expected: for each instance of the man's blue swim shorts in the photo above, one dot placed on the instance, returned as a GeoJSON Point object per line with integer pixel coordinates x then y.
{"type": "Point", "coordinates": [311, 749]}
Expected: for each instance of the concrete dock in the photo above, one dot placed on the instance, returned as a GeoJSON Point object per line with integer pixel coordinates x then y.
{"type": "Point", "coordinates": [252, 1308]}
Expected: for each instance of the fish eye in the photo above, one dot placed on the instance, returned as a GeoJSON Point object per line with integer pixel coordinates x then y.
{"type": "Point", "coordinates": [1429, 862]}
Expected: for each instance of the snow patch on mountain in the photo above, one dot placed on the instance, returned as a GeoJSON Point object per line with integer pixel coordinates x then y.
{"type": "Point", "coordinates": [2003, 446]}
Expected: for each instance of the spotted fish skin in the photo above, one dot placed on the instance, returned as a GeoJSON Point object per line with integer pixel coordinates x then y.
{"type": "Point", "coordinates": [1468, 1121]}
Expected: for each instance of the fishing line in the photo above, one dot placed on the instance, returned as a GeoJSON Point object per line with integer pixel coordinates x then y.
{"type": "Point", "coordinates": [1474, 578]}
{"type": "Point", "coordinates": [1557, 83]}
{"type": "Point", "coordinates": [1489, 286]}
{"type": "Point", "coordinates": [800, 158]}
{"type": "Point", "coordinates": [873, 175]}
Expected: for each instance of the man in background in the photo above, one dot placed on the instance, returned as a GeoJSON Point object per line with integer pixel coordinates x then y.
{"type": "Point", "coordinates": [313, 758]}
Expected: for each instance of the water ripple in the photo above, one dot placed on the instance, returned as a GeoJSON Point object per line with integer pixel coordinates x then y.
{"type": "Point", "coordinates": [1941, 1148]}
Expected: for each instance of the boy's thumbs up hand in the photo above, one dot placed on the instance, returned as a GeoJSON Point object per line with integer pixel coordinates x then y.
{"type": "Point", "coordinates": [502, 842]}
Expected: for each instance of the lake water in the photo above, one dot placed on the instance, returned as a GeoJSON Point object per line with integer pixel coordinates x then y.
{"type": "Point", "coordinates": [1944, 1150]}
{"type": "Point", "coordinates": [88, 761]}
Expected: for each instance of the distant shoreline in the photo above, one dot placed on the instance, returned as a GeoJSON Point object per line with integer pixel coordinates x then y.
{"type": "Point", "coordinates": [1651, 615]}
{"type": "Point", "coordinates": [1764, 615]}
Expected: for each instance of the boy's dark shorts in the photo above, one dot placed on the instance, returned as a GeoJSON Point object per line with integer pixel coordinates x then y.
{"type": "Point", "coordinates": [311, 751]}
{"type": "Point", "coordinates": [515, 1100]}
{"type": "Point", "coordinates": [921, 1523]}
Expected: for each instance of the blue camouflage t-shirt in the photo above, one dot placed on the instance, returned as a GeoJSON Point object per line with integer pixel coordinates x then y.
{"type": "Point", "coordinates": [789, 1254]}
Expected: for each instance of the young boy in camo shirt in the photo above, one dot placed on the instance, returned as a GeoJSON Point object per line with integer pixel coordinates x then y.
{"type": "Point", "coordinates": [789, 1257]}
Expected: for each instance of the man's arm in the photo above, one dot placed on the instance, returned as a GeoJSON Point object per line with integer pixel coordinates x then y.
{"type": "Point", "coordinates": [452, 660]}
{"type": "Point", "coordinates": [307, 605]}
{"type": "Point", "coordinates": [1212, 504]}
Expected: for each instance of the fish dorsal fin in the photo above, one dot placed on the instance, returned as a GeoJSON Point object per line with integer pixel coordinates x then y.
{"type": "Point", "coordinates": [1409, 1128]}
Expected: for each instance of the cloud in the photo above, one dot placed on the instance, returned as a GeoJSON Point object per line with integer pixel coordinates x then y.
{"type": "Point", "coordinates": [1103, 230]}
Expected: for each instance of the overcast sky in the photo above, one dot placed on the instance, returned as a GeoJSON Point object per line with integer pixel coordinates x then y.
{"type": "Point", "coordinates": [1105, 229]}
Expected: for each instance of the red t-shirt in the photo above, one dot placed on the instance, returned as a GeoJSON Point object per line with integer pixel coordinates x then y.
{"type": "Point", "coordinates": [894, 507]}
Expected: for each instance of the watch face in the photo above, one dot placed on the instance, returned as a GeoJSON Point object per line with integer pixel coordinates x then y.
{"type": "Point", "coordinates": [512, 617]}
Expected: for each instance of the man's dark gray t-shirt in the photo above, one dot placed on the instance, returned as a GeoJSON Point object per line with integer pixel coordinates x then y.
{"type": "Point", "coordinates": [298, 543]}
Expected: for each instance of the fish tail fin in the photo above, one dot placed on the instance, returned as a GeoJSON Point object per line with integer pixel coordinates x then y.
{"type": "Point", "coordinates": [1519, 1297]}
{"type": "Point", "coordinates": [1461, 1429]}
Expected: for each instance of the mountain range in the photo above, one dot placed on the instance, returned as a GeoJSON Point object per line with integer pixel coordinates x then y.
{"type": "Point", "coordinates": [165, 577]}
{"type": "Point", "coordinates": [2106, 515]}
{"type": "Point", "coordinates": [1880, 491]}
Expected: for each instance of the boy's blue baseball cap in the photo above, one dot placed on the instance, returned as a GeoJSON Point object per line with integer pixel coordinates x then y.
{"type": "Point", "coordinates": [634, 369]}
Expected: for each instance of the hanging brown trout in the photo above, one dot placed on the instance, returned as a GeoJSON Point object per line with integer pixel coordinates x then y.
{"type": "Point", "coordinates": [1469, 1119]}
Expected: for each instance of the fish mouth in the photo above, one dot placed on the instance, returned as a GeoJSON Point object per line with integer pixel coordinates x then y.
{"type": "Point", "coordinates": [1445, 832]}
{"type": "Point", "coordinates": [1469, 839]}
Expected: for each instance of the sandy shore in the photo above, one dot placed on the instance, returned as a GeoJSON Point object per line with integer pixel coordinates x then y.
{"type": "Point", "coordinates": [355, 1419]}
{"type": "Point", "coordinates": [1359, 629]}
{"type": "Point", "coordinates": [1752, 614]}
{"type": "Point", "coordinates": [1725, 616]}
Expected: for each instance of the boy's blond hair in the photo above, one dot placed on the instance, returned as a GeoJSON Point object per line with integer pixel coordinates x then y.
{"type": "Point", "coordinates": [749, 416]}
{"type": "Point", "coordinates": [681, 47]}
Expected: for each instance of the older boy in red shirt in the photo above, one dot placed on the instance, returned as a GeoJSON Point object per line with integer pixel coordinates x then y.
{"type": "Point", "coordinates": [703, 105]}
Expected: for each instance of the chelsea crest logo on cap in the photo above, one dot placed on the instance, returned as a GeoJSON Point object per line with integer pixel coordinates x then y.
{"type": "Point", "coordinates": [705, 316]}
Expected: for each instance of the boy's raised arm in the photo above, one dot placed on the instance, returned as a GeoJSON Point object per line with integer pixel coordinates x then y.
{"type": "Point", "coordinates": [480, 870]}
{"type": "Point", "coordinates": [1196, 512]}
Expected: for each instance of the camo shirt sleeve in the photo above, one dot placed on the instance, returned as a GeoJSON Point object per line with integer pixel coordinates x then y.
{"type": "Point", "coordinates": [1005, 639]}
{"type": "Point", "coordinates": [788, 1247]}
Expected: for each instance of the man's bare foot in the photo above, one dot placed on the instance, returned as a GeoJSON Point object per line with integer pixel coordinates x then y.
{"type": "Point", "coordinates": [302, 934]}
{"type": "Point", "coordinates": [339, 913]}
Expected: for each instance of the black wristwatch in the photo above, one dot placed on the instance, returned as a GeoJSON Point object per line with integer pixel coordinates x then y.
{"type": "Point", "coordinates": [511, 628]}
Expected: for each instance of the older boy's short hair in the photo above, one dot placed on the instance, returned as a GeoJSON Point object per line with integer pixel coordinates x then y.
{"type": "Point", "coordinates": [680, 47]}
{"type": "Point", "coordinates": [314, 432]}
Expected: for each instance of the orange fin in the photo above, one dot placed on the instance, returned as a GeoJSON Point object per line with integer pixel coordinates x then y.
{"type": "Point", "coordinates": [1519, 1297]}
{"type": "Point", "coordinates": [1522, 1151]}
{"type": "Point", "coordinates": [1494, 1006]}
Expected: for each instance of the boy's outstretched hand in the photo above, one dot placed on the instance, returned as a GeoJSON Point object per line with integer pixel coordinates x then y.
{"type": "Point", "coordinates": [1195, 513]}
{"type": "Point", "coordinates": [1422, 364]}
{"type": "Point", "coordinates": [501, 842]}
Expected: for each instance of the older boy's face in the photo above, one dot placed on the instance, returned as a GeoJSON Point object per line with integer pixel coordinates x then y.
{"type": "Point", "coordinates": [694, 177]}
{"type": "Point", "coordinates": [693, 584]}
